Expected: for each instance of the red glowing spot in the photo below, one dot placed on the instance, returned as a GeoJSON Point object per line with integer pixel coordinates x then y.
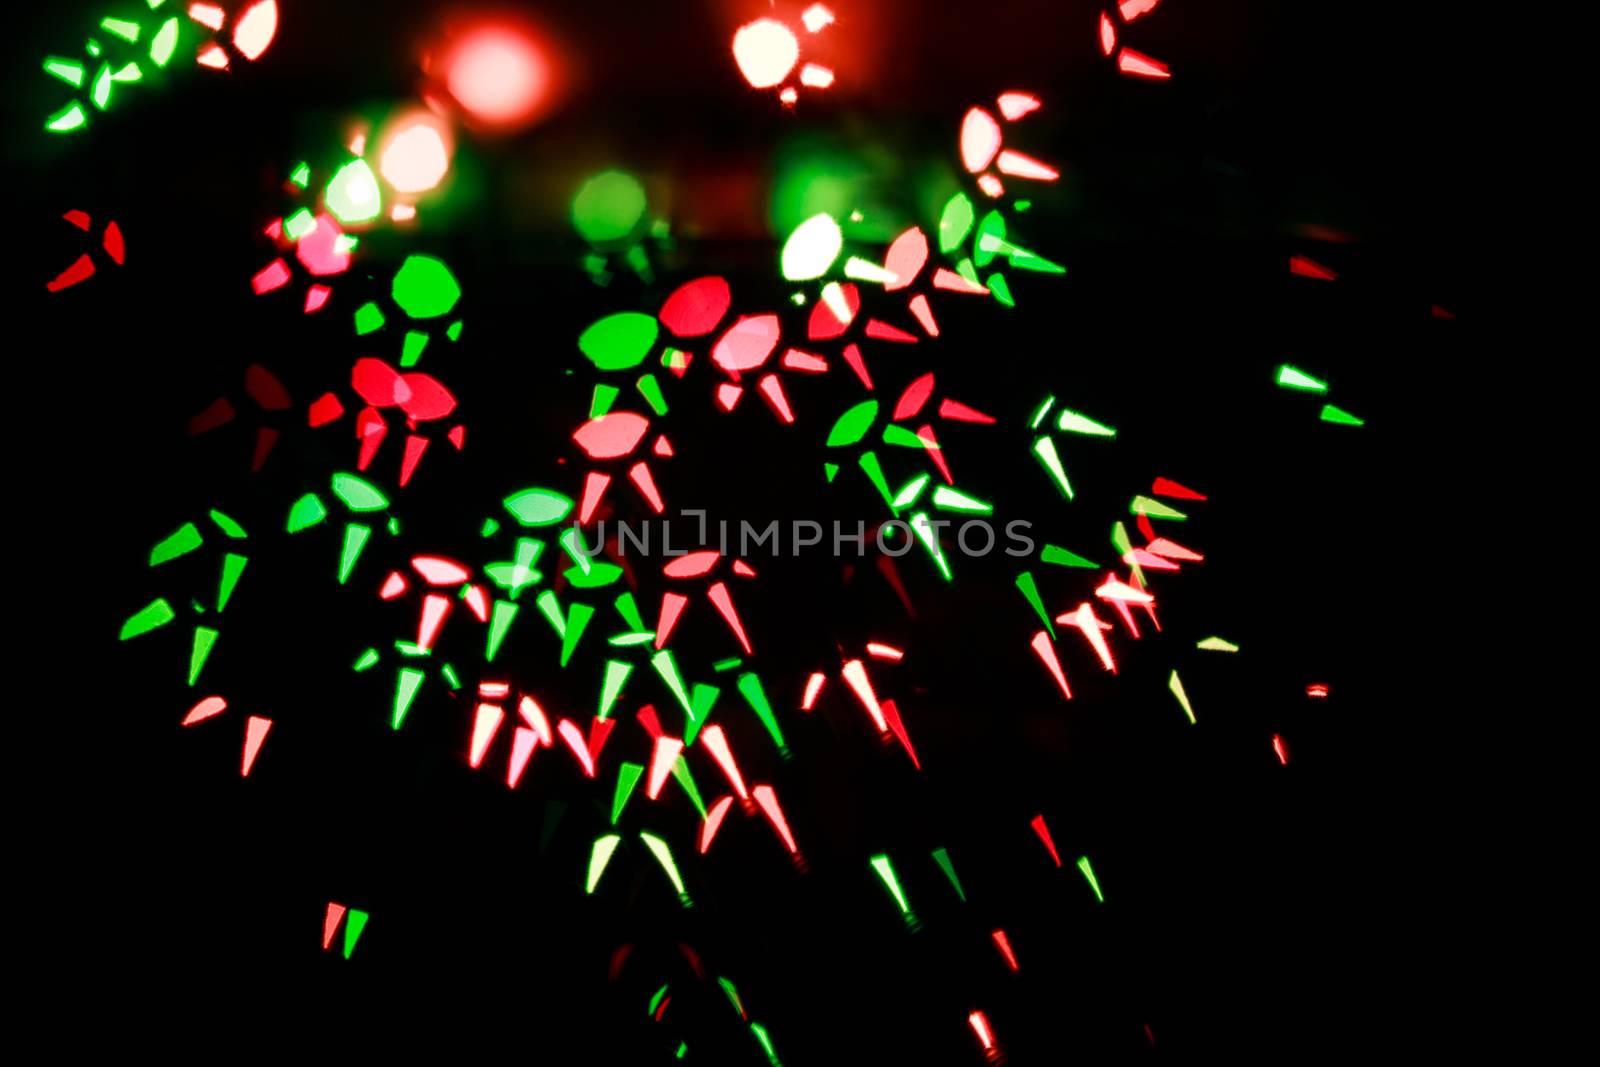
{"type": "Point", "coordinates": [728, 395]}
{"type": "Point", "coordinates": [1021, 166]}
{"type": "Point", "coordinates": [416, 445]}
{"type": "Point", "coordinates": [666, 754]}
{"type": "Point", "coordinates": [650, 721]}
{"type": "Point", "coordinates": [943, 278]}
{"type": "Point", "coordinates": [692, 565]}
{"type": "Point", "coordinates": [824, 323]}
{"type": "Point", "coordinates": [611, 435]}
{"type": "Point", "coordinates": [458, 437]}
{"type": "Point", "coordinates": [494, 690]}
{"type": "Point", "coordinates": [905, 258]}
{"type": "Point", "coordinates": [672, 605]}
{"type": "Point", "coordinates": [80, 219]}
{"type": "Point", "coordinates": [882, 331]}
{"type": "Point", "coordinates": [1440, 312]}
{"type": "Point", "coordinates": [82, 269]}
{"type": "Point", "coordinates": [212, 56]}
{"type": "Point", "coordinates": [436, 570]}
{"type": "Point", "coordinates": [484, 727]}
{"type": "Point", "coordinates": [371, 429]}
{"type": "Point", "coordinates": [852, 357]}
{"type": "Point", "coordinates": [599, 730]}
{"type": "Point", "coordinates": [1087, 621]}
{"type": "Point", "coordinates": [743, 569]}
{"type": "Point", "coordinates": [217, 413]}
{"type": "Point", "coordinates": [815, 76]}
{"type": "Point", "coordinates": [714, 818]}
{"type": "Point", "coordinates": [663, 447]}
{"type": "Point", "coordinates": [695, 308]}
{"type": "Point", "coordinates": [1168, 487]}
{"type": "Point", "coordinates": [956, 411]}
{"type": "Point", "coordinates": [265, 388]}
{"type": "Point", "coordinates": [534, 716]}
{"type": "Point", "coordinates": [717, 744]}
{"type": "Point", "coordinates": [523, 742]}
{"type": "Point", "coordinates": [1108, 34]}
{"type": "Point", "coordinates": [855, 676]}
{"type": "Point", "coordinates": [255, 732]}
{"type": "Point", "coordinates": [594, 490]}
{"type": "Point", "coordinates": [1310, 268]}
{"type": "Point", "coordinates": [771, 390]}
{"type": "Point", "coordinates": [1281, 749]}
{"type": "Point", "coordinates": [879, 650]}
{"type": "Point", "coordinates": [255, 28]}
{"type": "Point", "coordinates": [924, 315]}
{"type": "Point", "coordinates": [316, 296]}
{"type": "Point", "coordinates": [1132, 9]}
{"type": "Point", "coordinates": [804, 362]}
{"type": "Point", "coordinates": [320, 251]}
{"type": "Point", "coordinates": [1140, 65]}
{"type": "Point", "coordinates": [435, 607]}
{"type": "Point", "coordinates": [204, 710]}
{"type": "Point", "coordinates": [930, 444]}
{"type": "Point", "coordinates": [423, 398]}
{"type": "Point", "coordinates": [574, 738]}
{"type": "Point", "coordinates": [980, 1026]}
{"type": "Point", "coordinates": [1317, 691]}
{"type": "Point", "coordinates": [1014, 105]}
{"type": "Point", "coordinates": [766, 50]}
{"type": "Point", "coordinates": [1172, 550]}
{"type": "Point", "coordinates": [1040, 828]}
{"type": "Point", "coordinates": [1003, 943]}
{"type": "Point", "coordinates": [816, 17]}
{"type": "Point", "coordinates": [1046, 652]}
{"type": "Point", "coordinates": [266, 437]}
{"type": "Point", "coordinates": [113, 244]}
{"type": "Point", "coordinates": [768, 800]}
{"type": "Point", "coordinates": [377, 383]}
{"type": "Point", "coordinates": [274, 275]}
{"type": "Point", "coordinates": [814, 686]}
{"type": "Point", "coordinates": [991, 186]}
{"type": "Point", "coordinates": [498, 74]}
{"type": "Point", "coordinates": [330, 923]}
{"type": "Point", "coordinates": [393, 586]}
{"type": "Point", "coordinates": [980, 139]}
{"type": "Point", "coordinates": [639, 475]}
{"type": "Point", "coordinates": [1138, 557]}
{"type": "Point", "coordinates": [891, 715]}
{"type": "Point", "coordinates": [718, 594]}
{"type": "Point", "coordinates": [747, 344]}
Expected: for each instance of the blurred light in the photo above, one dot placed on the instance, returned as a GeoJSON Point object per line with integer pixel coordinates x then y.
{"type": "Point", "coordinates": [766, 50]}
{"type": "Point", "coordinates": [256, 28]}
{"type": "Point", "coordinates": [816, 17]}
{"type": "Point", "coordinates": [498, 74]}
{"type": "Point", "coordinates": [417, 157]}
{"type": "Point", "coordinates": [608, 207]}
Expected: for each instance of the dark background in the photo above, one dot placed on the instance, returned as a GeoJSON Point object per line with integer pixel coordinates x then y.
{"type": "Point", "coordinates": [1250, 907]}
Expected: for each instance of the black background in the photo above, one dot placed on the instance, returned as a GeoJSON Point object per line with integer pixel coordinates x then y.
{"type": "Point", "coordinates": [1250, 907]}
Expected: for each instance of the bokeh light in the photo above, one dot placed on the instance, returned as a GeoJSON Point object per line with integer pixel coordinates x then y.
{"type": "Point", "coordinates": [766, 50]}
{"type": "Point", "coordinates": [498, 73]}
{"type": "Point", "coordinates": [416, 156]}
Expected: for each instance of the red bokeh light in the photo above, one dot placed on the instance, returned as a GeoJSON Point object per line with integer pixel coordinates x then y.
{"type": "Point", "coordinates": [497, 69]}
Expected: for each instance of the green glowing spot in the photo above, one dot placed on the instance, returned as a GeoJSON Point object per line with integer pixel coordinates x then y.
{"type": "Point", "coordinates": [393, 526]}
{"type": "Point", "coordinates": [894, 434]}
{"type": "Point", "coordinates": [700, 705]}
{"type": "Point", "coordinates": [500, 620]}
{"type": "Point", "coordinates": [1023, 205]}
{"type": "Point", "coordinates": [550, 607]}
{"type": "Point", "coordinates": [1124, 545]}
{"type": "Point", "coordinates": [831, 471]}
{"type": "Point", "coordinates": [100, 92]}
{"type": "Point", "coordinates": [150, 617]}
{"type": "Point", "coordinates": [1340, 416]}
{"type": "Point", "coordinates": [685, 780]}
{"type": "Point", "coordinates": [1001, 289]}
{"type": "Point", "coordinates": [617, 672]}
{"type": "Point", "coordinates": [608, 207]}
{"type": "Point", "coordinates": [1045, 449]}
{"type": "Point", "coordinates": [798, 299]}
{"type": "Point", "coordinates": [926, 532]}
{"type": "Point", "coordinates": [667, 667]}
{"type": "Point", "coordinates": [65, 69]}
{"type": "Point", "coordinates": [955, 221]}
{"type": "Point", "coordinates": [299, 224]}
{"type": "Point", "coordinates": [367, 661]}
{"type": "Point", "coordinates": [307, 511]}
{"type": "Point", "coordinates": [353, 194]}
{"type": "Point", "coordinates": [812, 248]}
{"type": "Point", "coordinates": [991, 240]}
{"type": "Point", "coordinates": [450, 677]}
{"type": "Point", "coordinates": [885, 871]}
{"type": "Point", "coordinates": [577, 621]}
{"type": "Point", "coordinates": [204, 638]}
{"type": "Point", "coordinates": [412, 347]}
{"type": "Point", "coordinates": [868, 462]}
{"type": "Point", "coordinates": [1176, 685]}
{"type": "Point", "coordinates": [766, 1043]}
{"type": "Point", "coordinates": [228, 526]}
{"type": "Point", "coordinates": [599, 856]}
{"type": "Point", "coordinates": [1072, 422]}
{"type": "Point", "coordinates": [650, 389]}
{"type": "Point", "coordinates": [1041, 412]}
{"type": "Point", "coordinates": [909, 493]}
{"type": "Point", "coordinates": [620, 341]}
{"type": "Point", "coordinates": [655, 1001]}
{"type": "Point", "coordinates": [1291, 378]}
{"type": "Point", "coordinates": [130, 72]}
{"type": "Point", "coordinates": [185, 539]}
{"type": "Point", "coordinates": [232, 568]}
{"type": "Point", "coordinates": [1217, 644]}
{"type": "Point", "coordinates": [572, 544]}
{"type": "Point", "coordinates": [663, 855]}
{"type": "Point", "coordinates": [1088, 874]}
{"type": "Point", "coordinates": [411, 649]}
{"type": "Point", "coordinates": [1155, 509]}
{"type": "Point", "coordinates": [165, 43]}
{"type": "Point", "coordinates": [726, 664]}
{"type": "Point", "coordinates": [355, 539]}
{"type": "Point", "coordinates": [1023, 259]}
{"type": "Point", "coordinates": [604, 396]}
{"type": "Point", "coordinates": [345, 242]}
{"type": "Point", "coordinates": [1030, 591]}
{"type": "Point", "coordinates": [354, 923]}
{"type": "Point", "coordinates": [405, 691]}
{"type": "Point", "coordinates": [733, 995]}
{"type": "Point", "coordinates": [489, 528]}
{"type": "Point", "coordinates": [749, 686]}
{"type": "Point", "coordinates": [954, 500]}
{"type": "Point", "coordinates": [425, 288]}
{"type": "Point", "coordinates": [1062, 558]}
{"type": "Point", "coordinates": [358, 494]}
{"type": "Point", "coordinates": [369, 318]}
{"type": "Point", "coordinates": [942, 858]}
{"type": "Point", "coordinates": [453, 331]}
{"type": "Point", "coordinates": [301, 175]}
{"type": "Point", "coordinates": [598, 575]}
{"type": "Point", "coordinates": [128, 31]}
{"type": "Point", "coordinates": [629, 611]}
{"type": "Point", "coordinates": [627, 777]}
{"type": "Point", "coordinates": [683, 1050]}
{"type": "Point", "coordinates": [853, 425]}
